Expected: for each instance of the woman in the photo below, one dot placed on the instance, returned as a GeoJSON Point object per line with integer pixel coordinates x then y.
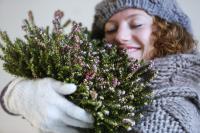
{"type": "Point", "coordinates": [156, 30]}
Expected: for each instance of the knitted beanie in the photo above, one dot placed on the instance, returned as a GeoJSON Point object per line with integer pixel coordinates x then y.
{"type": "Point", "coordinates": [165, 9]}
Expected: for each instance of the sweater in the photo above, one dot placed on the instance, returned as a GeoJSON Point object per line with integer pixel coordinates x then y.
{"type": "Point", "coordinates": [175, 107]}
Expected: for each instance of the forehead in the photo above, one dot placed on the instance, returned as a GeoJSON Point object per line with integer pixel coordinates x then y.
{"type": "Point", "coordinates": [129, 13]}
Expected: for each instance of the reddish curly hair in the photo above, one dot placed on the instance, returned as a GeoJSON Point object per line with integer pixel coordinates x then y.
{"type": "Point", "coordinates": [170, 38]}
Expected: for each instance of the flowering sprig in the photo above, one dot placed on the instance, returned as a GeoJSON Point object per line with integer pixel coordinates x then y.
{"type": "Point", "coordinates": [111, 87]}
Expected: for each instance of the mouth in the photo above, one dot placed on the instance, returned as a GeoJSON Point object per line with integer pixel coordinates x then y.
{"type": "Point", "coordinates": [131, 48]}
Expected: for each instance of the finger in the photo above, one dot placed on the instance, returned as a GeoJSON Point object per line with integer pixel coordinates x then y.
{"type": "Point", "coordinates": [66, 130]}
{"type": "Point", "coordinates": [56, 115]}
{"type": "Point", "coordinates": [61, 87]}
{"type": "Point", "coordinates": [74, 111]}
{"type": "Point", "coordinates": [74, 122]}
{"type": "Point", "coordinates": [66, 89]}
{"type": "Point", "coordinates": [41, 131]}
{"type": "Point", "coordinates": [60, 127]}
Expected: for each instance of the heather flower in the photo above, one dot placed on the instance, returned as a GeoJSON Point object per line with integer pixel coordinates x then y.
{"type": "Point", "coordinates": [58, 14]}
{"type": "Point", "coordinates": [93, 94]}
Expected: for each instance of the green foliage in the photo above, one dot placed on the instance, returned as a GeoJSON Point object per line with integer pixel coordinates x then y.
{"type": "Point", "coordinates": [111, 87]}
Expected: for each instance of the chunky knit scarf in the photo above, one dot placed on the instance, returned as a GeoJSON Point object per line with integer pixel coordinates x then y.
{"type": "Point", "coordinates": [176, 96]}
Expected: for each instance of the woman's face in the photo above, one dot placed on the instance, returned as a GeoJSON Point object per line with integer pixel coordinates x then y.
{"type": "Point", "coordinates": [131, 29]}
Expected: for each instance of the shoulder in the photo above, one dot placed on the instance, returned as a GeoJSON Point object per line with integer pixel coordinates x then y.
{"type": "Point", "coordinates": [177, 69]}
{"type": "Point", "coordinates": [170, 114]}
{"type": "Point", "coordinates": [176, 93]}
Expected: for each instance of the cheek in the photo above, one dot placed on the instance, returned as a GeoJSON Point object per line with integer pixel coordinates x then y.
{"type": "Point", "coordinates": [146, 40]}
{"type": "Point", "coordinates": [145, 36]}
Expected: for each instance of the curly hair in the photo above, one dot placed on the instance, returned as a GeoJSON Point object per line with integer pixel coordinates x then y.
{"type": "Point", "coordinates": [171, 38]}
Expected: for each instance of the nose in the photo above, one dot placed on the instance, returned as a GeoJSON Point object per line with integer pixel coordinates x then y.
{"type": "Point", "coordinates": [123, 34]}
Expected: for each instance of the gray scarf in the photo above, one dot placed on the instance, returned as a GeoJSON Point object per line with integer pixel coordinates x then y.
{"type": "Point", "coordinates": [176, 96]}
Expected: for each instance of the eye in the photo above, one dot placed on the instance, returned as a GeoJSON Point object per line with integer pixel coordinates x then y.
{"type": "Point", "coordinates": [135, 23]}
{"type": "Point", "coordinates": [110, 28]}
{"type": "Point", "coordinates": [110, 31]}
{"type": "Point", "coordinates": [135, 26]}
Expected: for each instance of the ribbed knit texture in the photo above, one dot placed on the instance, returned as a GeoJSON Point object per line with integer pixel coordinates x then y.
{"type": "Point", "coordinates": [165, 9]}
{"type": "Point", "coordinates": [176, 94]}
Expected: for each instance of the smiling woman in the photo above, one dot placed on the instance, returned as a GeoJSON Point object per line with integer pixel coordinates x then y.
{"type": "Point", "coordinates": [162, 33]}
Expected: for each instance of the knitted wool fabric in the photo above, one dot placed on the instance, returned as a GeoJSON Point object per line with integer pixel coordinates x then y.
{"type": "Point", "coordinates": [176, 104]}
{"type": "Point", "coordinates": [165, 9]}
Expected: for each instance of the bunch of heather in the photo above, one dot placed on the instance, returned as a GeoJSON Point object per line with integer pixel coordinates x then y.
{"type": "Point", "coordinates": [112, 87]}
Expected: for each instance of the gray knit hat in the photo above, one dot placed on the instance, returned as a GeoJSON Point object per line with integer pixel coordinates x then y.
{"type": "Point", "coordinates": [165, 9]}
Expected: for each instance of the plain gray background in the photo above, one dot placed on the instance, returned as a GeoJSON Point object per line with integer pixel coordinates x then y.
{"type": "Point", "coordinates": [12, 12]}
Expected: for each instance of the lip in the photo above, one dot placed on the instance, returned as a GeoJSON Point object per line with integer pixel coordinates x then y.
{"type": "Point", "coordinates": [132, 47]}
{"type": "Point", "coordinates": [128, 47]}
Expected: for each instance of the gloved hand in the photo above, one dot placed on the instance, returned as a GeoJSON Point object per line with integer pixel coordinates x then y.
{"type": "Point", "coordinates": [42, 103]}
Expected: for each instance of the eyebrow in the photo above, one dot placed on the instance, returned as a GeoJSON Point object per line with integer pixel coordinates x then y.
{"type": "Point", "coordinates": [111, 21]}
{"type": "Point", "coordinates": [133, 15]}
{"type": "Point", "coordinates": [128, 17]}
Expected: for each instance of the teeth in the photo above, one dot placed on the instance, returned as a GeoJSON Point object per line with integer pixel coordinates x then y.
{"type": "Point", "coordinates": [133, 48]}
{"type": "Point", "coordinates": [130, 47]}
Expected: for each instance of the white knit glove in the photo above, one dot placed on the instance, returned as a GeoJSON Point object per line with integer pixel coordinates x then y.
{"type": "Point", "coordinates": [42, 103]}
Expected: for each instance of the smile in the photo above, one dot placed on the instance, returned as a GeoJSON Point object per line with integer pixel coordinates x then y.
{"type": "Point", "coordinates": [132, 49]}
